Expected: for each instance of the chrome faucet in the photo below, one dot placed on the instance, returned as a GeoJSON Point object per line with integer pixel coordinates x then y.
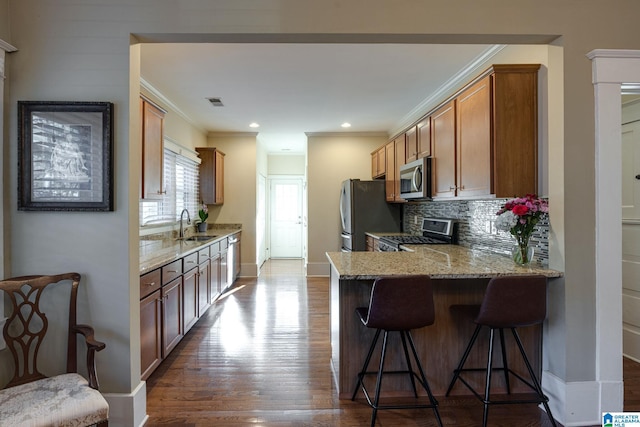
{"type": "Point", "coordinates": [188, 221]}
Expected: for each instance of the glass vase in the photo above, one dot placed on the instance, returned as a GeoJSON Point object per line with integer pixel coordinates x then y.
{"type": "Point", "coordinates": [522, 254]}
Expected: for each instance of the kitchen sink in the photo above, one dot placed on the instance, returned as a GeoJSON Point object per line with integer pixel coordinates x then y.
{"type": "Point", "coordinates": [197, 238]}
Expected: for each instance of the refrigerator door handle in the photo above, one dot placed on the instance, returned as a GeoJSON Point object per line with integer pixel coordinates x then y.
{"type": "Point", "coordinates": [345, 236]}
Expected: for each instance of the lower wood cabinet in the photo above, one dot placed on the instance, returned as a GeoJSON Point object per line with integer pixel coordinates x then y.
{"type": "Point", "coordinates": [173, 297]}
{"type": "Point", "coordinates": [191, 303]}
{"type": "Point", "coordinates": [172, 329]}
{"type": "Point", "coordinates": [150, 333]}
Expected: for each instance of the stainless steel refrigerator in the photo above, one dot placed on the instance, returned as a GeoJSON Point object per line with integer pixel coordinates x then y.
{"type": "Point", "coordinates": [363, 208]}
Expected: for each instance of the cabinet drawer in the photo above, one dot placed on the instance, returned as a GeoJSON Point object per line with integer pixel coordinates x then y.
{"type": "Point", "coordinates": [224, 244]}
{"type": "Point", "coordinates": [190, 261]}
{"type": "Point", "coordinates": [149, 283]}
{"type": "Point", "coordinates": [214, 248]}
{"type": "Point", "coordinates": [171, 271]}
{"type": "Point", "coordinates": [203, 255]}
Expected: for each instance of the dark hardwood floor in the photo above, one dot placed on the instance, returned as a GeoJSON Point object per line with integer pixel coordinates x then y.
{"type": "Point", "coordinates": [260, 356]}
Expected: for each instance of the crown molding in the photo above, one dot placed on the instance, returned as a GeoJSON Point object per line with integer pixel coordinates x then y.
{"type": "Point", "coordinates": [347, 134]}
{"type": "Point", "coordinates": [449, 87]}
{"type": "Point", "coordinates": [144, 84]}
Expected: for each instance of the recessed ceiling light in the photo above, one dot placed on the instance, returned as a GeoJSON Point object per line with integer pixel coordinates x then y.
{"type": "Point", "coordinates": [254, 125]}
{"type": "Point", "coordinates": [346, 125]}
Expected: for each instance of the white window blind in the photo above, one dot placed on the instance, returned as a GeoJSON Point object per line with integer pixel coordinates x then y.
{"type": "Point", "coordinates": [181, 185]}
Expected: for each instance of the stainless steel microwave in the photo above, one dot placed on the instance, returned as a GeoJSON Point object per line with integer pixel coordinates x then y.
{"type": "Point", "coordinates": [415, 179]}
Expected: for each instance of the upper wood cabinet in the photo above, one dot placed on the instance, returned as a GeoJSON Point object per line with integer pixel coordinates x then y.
{"type": "Point", "coordinates": [443, 145]}
{"type": "Point", "coordinates": [514, 120]}
{"type": "Point", "coordinates": [151, 185]}
{"type": "Point", "coordinates": [211, 175]}
{"type": "Point", "coordinates": [473, 140]}
{"type": "Point", "coordinates": [424, 138]}
{"type": "Point", "coordinates": [395, 157]}
{"type": "Point", "coordinates": [485, 141]}
{"type": "Point", "coordinates": [411, 144]}
{"type": "Point", "coordinates": [418, 140]}
{"type": "Point", "coordinates": [390, 166]}
{"type": "Point", "coordinates": [378, 166]}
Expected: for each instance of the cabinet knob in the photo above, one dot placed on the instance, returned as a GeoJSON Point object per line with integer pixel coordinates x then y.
{"type": "Point", "coordinates": [151, 284]}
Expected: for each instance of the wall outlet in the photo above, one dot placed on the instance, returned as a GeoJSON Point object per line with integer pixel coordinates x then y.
{"type": "Point", "coordinates": [415, 219]}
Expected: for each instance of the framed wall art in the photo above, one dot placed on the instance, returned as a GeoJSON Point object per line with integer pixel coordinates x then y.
{"type": "Point", "coordinates": [65, 156]}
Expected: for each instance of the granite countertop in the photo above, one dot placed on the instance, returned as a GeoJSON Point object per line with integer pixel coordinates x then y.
{"type": "Point", "coordinates": [157, 251]}
{"type": "Point", "coordinates": [438, 261]}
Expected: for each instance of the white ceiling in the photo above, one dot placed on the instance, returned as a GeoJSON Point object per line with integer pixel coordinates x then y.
{"type": "Point", "coordinates": [293, 89]}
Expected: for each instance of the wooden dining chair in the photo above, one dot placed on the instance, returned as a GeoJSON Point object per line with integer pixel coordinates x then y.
{"type": "Point", "coordinates": [31, 398]}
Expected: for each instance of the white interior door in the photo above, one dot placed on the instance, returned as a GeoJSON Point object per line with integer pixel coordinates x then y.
{"type": "Point", "coordinates": [286, 217]}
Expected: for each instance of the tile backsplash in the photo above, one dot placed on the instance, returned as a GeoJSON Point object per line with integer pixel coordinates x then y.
{"type": "Point", "coordinates": [476, 225]}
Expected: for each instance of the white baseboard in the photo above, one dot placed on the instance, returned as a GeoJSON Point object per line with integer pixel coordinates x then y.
{"type": "Point", "coordinates": [320, 269]}
{"type": "Point", "coordinates": [128, 409]}
{"type": "Point", "coordinates": [581, 403]}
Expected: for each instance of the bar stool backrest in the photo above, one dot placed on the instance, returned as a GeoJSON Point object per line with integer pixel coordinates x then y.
{"type": "Point", "coordinates": [514, 301]}
{"type": "Point", "coordinates": [401, 303]}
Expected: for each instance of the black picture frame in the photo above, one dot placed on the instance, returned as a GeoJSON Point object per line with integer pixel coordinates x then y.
{"type": "Point", "coordinates": [65, 156]}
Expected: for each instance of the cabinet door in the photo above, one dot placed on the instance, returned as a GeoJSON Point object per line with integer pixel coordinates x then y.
{"type": "Point", "coordinates": [443, 145]}
{"type": "Point", "coordinates": [190, 298]}
{"type": "Point", "coordinates": [219, 159]}
{"type": "Point", "coordinates": [216, 283]}
{"type": "Point", "coordinates": [150, 333]}
{"type": "Point", "coordinates": [424, 138]}
{"type": "Point", "coordinates": [474, 140]}
{"type": "Point", "coordinates": [400, 150]}
{"type": "Point", "coordinates": [390, 171]}
{"type": "Point", "coordinates": [374, 164]}
{"type": "Point", "coordinates": [152, 151]}
{"type": "Point", "coordinates": [211, 172]}
{"type": "Point", "coordinates": [411, 144]}
{"type": "Point", "coordinates": [204, 287]}
{"type": "Point", "coordinates": [224, 270]}
{"type": "Point", "coordinates": [172, 331]}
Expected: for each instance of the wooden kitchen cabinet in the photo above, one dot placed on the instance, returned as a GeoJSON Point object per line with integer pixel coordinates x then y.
{"type": "Point", "coordinates": [150, 323]}
{"type": "Point", "coordinates": [424, 138]}
{"type": "Point", "coordinates": [473, 140]}
{"type": "Point", "coordinates": [411, 144]}
{"type": "Point", "coordinates": [190, 299]}
{"type": "Point", "coordinates": [211, 175]}
{"type": "Point", "coordinates": [443, 145]}
{"type": "Point", "coordinates": [371, 244]}
{"type": "Point", "coordinates": [378, 163]}
{"type": "Point", "coordinates": [172, 326]}
{"type": "Point", "coordinates": [395, 157]}
{"type": "Point", "coordinates": [151, 181]}
{"type": "Point", "coordinates": [204, 281]}
{"type": "Point", "coordinates": [485, 141]}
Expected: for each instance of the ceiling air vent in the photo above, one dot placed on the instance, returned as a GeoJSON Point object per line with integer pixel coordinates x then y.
{"type": "Point", "coordinates": [216, 102]}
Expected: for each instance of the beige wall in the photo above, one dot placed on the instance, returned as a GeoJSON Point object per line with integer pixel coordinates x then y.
{"type": "Point", "coordinates": [72, 52]}
{"type": "Point", "coordinates": [286, 164]}
{"type": "Point", "coordinates": [331, 160]}
{"type": "Point", "coordinates": [239, 191]}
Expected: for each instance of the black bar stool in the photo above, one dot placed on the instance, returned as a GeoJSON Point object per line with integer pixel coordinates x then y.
{"type": "Point", "coordinates": [398, 303]}
{"type": "Point", "coordinates": [509, 302]}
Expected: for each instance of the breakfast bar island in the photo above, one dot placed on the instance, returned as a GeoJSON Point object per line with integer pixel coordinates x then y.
{"type": "Point", "coordinates": [460, 277]}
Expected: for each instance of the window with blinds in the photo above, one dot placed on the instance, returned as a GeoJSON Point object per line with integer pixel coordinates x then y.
{"type": "Point", "coordinates": [181, 185]}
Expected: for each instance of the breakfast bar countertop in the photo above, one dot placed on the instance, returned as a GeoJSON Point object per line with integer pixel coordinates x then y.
{"type": "Point", "coordinates": [437, 261]}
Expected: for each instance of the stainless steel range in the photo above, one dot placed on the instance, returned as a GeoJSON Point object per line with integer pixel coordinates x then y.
{"type": "Point", "coordinates": [435, 231]}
